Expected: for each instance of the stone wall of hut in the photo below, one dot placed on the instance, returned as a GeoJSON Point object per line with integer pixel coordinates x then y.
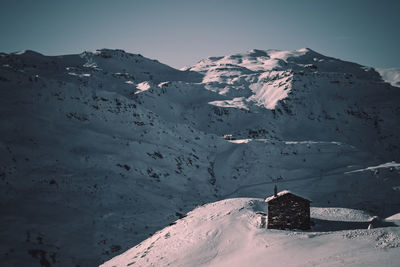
{"type": "Point", "coordinates": [288, 212]}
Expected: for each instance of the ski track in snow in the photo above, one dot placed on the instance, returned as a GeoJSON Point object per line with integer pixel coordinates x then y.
{"type": "Point", "coordinates": [392, 164]}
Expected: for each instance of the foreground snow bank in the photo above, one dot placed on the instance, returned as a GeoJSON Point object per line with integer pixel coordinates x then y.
{"type": "Point", "coordinates": [232, 233]}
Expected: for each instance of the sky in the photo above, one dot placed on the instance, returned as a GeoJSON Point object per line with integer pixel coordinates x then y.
{"type": "Point", "coordinates": [182, 32]}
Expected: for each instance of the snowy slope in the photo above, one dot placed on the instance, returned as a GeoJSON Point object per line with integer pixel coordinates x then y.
{"type": "Point", "coordinates": [232, 233]}
{"type": "Point", "coordinates": [102, 149]}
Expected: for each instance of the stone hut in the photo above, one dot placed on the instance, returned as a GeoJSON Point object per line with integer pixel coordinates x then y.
{"type": "Point", "coordinates": [288, 211]}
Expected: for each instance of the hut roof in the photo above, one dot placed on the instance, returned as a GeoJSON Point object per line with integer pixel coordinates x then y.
{"type": "Point", "coordinates": [282, 193]}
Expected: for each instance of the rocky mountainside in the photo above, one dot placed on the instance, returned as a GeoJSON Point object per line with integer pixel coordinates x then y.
{"type": "Point", "coordinates": [102, 149]}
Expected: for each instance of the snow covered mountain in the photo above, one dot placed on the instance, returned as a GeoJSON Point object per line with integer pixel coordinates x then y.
{"type": "Point", "coordinates": [305, 90]}
{"type": "Point", "coordinates": [268, 75]}
{"type": "Point", "coordinates": [102, 149]}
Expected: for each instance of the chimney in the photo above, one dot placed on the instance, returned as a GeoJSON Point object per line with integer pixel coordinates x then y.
{"type": "Point", "coordinates": [275, 191]}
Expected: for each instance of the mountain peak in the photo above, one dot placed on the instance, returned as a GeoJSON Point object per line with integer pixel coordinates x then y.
{"type": "Point", "coordinates": [305, 49]}
{"type": "Point", "coordinates": [258, 53]}
{"type": "Point", "coordinates": [27, 53]}
{"type": "Point", "coordinates": [112, 53]}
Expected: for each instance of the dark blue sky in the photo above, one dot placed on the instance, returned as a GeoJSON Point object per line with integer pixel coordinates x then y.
{"type": "Point", "coordinates": [181, 32]}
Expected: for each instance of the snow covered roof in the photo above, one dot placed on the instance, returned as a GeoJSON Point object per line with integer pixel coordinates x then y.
{"type": "Point", "coordinates": [282, 193]}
